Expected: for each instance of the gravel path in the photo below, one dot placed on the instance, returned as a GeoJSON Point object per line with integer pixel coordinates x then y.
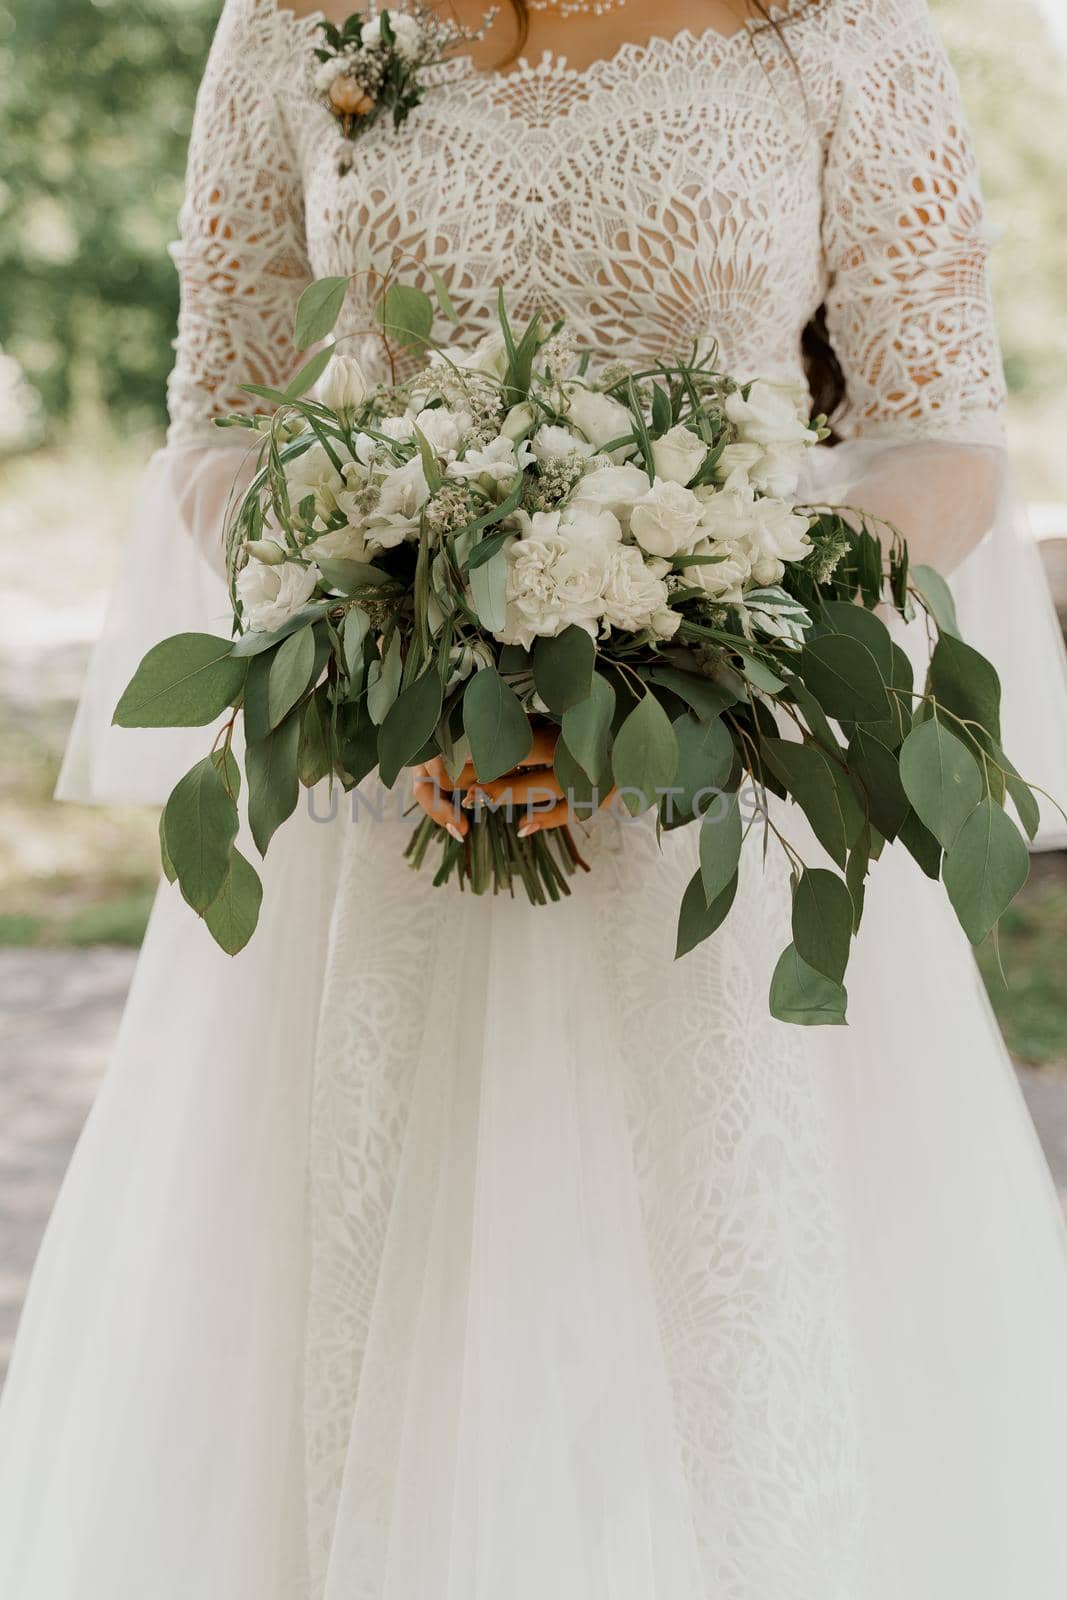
{"type": "Point", "coordinates": [59, 1012]}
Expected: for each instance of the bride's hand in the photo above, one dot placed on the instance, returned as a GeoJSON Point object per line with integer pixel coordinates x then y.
{"type": "Point", "coordinates": [531, 787]}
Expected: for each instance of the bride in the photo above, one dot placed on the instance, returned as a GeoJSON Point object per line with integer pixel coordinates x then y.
{"type": "Point", "coordinates": [435, 1249]}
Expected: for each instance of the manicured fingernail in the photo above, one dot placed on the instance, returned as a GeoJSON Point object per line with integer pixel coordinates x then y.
{"type": "Point", "coordinates": [526, 829]}
{"type": "Point", "coordinates": [455, 832]}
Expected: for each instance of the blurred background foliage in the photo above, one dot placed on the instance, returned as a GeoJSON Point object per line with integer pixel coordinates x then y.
{"type": "Point", "coordinates": [96, 102]}
{"type": "Point", "coordinates": [96, 99]}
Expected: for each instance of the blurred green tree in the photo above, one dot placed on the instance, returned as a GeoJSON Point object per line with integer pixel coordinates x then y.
{"type": "Point", "coordinates": [96, 100]}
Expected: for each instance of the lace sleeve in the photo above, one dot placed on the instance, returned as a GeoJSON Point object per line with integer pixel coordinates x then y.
{"type": "Point", "coordinates": [241, 257]}
{"type": "Point", "coordinates": [909, 307]}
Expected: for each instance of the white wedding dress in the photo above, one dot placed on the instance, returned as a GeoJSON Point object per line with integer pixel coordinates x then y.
{"type": "Point", "coordinates": [441, 1249]}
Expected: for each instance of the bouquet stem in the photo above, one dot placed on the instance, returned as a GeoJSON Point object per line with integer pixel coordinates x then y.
{"type": "Point", "coordinates": [493, 858]}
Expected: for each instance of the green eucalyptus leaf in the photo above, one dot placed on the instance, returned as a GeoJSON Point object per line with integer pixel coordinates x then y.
{"type": "Point", "coordinates": [877, 769]}
{"type": "Point", "coordinates": [822, 922]}
{"type": "Point", "coordinates": [644, 758]}
{"type": "Point", "coordinates": [495, 724]}
{"type": "Point", "coordinates": [272, 767]}
{"type": "Point", "coordinates": [921, 845]}
{"type": "Point", "coordinates": [807, 774]}
{"type": "Point", "coordinates": [563, 668]}
{"type": "Point", "coordinates": [841, 616]}
{"type": "Point", "coordinates": [200, 825]}
{"type": "Point", "coordinates": [705, 761]}
{"type": "Point", "coordinates": [409, 723]}
{"type": "Point", "coordinates": [290, 674]}
{"type": "Point", "coordinates": [706, 697]}
{"type": "Point", "coordinates": [383, 679]}
{"type": "Point", "coordinates": [697, 920]}
{"type": "Point", "coordinates": [587, 731]}
{"type": "Point", "coordinates": [941, 779]}
{"type": "Point", "coordinates": [489, 590]}
{"type": "Point", "coordinates": [183, 682]}
{"type": "Point", "coordinates": [256, 643]}
{"type": "Point", "coordinates": [348, 577]}
{"type": "Point", "coordinates": [985, 867]}
{"type": "Point", "coordinates": [233, 914]}
{"type": "Point", "coordinates": [845, 678]}
{"type": "Point", "coordinates": [720, 844]}
{"type": "Point", "coordinates": [309, 374]}
{"type": "Point", "coordinates": [966, 683]}
{"type": "Point", "coordinates": [353, 634]}
{"type": "Point", "coordinates": [314, 758]}
{"type": "Point", "coordinates": [318, 309]}
{"type": "Point", "coordinates": [938, 596]}
{"type": "Point", "coordinates": [803, 996]}
{"type": "Point", "coordinates": [405, 314]}
{"type": "Point", "coordinates": [169, 870]}
{"type": "Point", "coordinates": [444, 299]}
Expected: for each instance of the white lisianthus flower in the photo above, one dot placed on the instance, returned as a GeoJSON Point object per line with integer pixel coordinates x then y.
{"type": "Point", "coordinates": [403, 493]}
{"type": "Point", "coordinates": [678, 455]}
{"type": "Point", "coordinates": [766, 570]}
{"type": "Point", "coordinates": [313, 474]}
{"type": "Point", "coordinates": [614, 489]}
{"type": "Point", "coordinates": [406, 30]}
{"type": "Point", "coordinates": [341, 544]}
{"type": "Point", "coordinates": [598, 416]}
{"type": "Point", "coordinates": [519, 420]}
{"type": "Point", "coordinates": [772, 527]}
{"type": "Point", "coordinates": [443, 430]}
{"type": "Point", "coordinates": [771, 414]}
{"type": "Point", "coordinates": [635, 594]}
{"type": "Point", "coordinates": [400, 429]}
{"type": "Point", "coordinates": [665, 519]}
{"type": "Point", "coordinates": [489, 357]}
{"type": "Point", "coordinates": [343, 386]}
{"type": "Point", "coordinates": [495, 466]}
{"type": "Point", "coordinates": [553, 443]}
{"type": "Point", "coordinates": [736, 462]}
{"type": "Point", "coordinates": [723, 578]}
{"type": "Point", "coordinates": [552, 585]}
{"type": "Point", "coordinates": [271, 594]}
{"type": "Point", "coordinates": [266, 550]}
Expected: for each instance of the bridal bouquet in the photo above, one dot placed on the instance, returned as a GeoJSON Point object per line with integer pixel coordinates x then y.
{"type": "Point", "coordinates": [508, 541]}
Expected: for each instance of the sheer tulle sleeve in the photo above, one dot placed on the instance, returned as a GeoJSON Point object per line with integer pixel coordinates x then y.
{"type": "Point", "coordinates": [242, 263]}
{"type": "Point", "coordinates": [910, 314]}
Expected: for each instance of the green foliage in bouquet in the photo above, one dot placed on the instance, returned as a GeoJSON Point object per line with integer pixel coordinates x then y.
{"type": "Point", "coordinates": [501, 541]}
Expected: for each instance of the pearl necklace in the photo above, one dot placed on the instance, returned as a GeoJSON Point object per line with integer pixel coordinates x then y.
{"type": "Point", "coordinates": [574, 8]}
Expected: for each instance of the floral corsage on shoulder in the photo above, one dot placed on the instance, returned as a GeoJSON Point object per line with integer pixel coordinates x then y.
{"type": "Point", "coordinates": [372, 63]}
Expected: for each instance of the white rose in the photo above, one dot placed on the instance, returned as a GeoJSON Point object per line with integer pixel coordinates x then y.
{"type": "Point", "coordinates": [584, 524]}
{"type": "Point", "coordinates": [772, 413]}
{"type": "Point", "coordinates": [271, 594]}
{"type": "Point", "coordinates": [489, 357]}
{"type": "Point", "coordinates": [635, 594]}
{"type": "Point", "coordinates": [553, 443]}
{"type": "Point", "coordinates": [553, 585]}
{"type": "Point", "coordinates": [678, 455]}
{"type": "Point", "coordinates": [723, 577]}
{"type": "Point", "coordinates": [343, 386]}
{"type": "Point", "coordinates": [771, 526]}
{"type": "Point", "coordinates": [494, 467]}
{"type": "Point", "coordinates": [443, 430]}
{"type": "Point", "coordinates": [599, 417]}
{"type": "Point", "coordinates": [313, 474]}
{"type": "Point", "coordinates": [664, 520]}
{"type": "Point", "coordinates": [404, 491]}
{"type": "Point", "coordinates": [405, 29]}
{"type": "Point", "coordinates": [613, 489]}
{"type": "Point", "coordinates": [766, 570]}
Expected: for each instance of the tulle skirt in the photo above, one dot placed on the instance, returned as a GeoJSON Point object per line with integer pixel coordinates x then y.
{"type": "Point", "coordinates": [442, 1249]}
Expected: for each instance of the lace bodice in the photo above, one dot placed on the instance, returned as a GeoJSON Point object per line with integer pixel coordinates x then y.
{"type": "Point", "coordinates": [691, 187]}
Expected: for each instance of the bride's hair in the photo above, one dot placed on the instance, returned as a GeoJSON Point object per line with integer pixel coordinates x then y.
{"type": "Point", "coordinates": [825, 378]}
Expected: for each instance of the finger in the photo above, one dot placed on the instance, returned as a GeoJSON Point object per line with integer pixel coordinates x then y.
{"type": "Point", "coordinates": [535, 787]}
{"type": "Point", "coordinates": [438, 803]}
{"type": "Point", "coordinates": [539, 821]}
{"type": "Point", "coordinates": [543, 749]}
